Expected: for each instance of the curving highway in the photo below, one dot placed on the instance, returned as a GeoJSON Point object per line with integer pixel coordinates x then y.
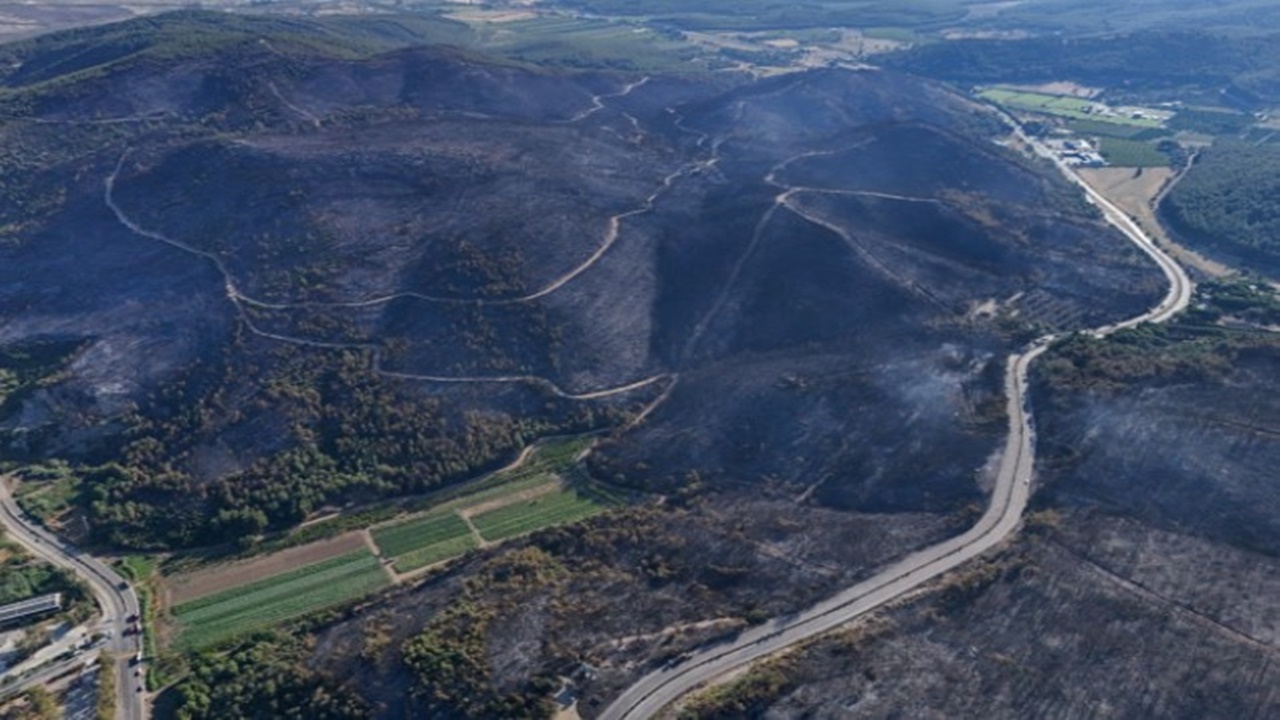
{"type": "Point", "coordinates": [652, 693]}
{"type": "Point", "coordinates": [114, 596]}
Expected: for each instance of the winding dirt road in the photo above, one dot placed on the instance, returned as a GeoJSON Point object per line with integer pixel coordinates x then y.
{"type": "Point", "coordinates": [240, 300]}
{"type": "Point", "coordinates": [613, 229]}
{"type": "Point", "coordinates": [655, 691]}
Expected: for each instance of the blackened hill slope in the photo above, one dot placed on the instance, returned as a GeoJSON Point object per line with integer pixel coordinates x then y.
{"type": "Point", "coordinates": [268, 250]}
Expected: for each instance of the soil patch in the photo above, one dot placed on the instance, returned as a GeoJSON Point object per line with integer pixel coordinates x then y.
{"type": "Point", "coordinates": [190, 586]}
{"type": "Point", "coordinates": [1137, 195]}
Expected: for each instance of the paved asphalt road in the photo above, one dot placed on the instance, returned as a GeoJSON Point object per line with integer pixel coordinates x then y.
{"type": "Point", "coordinates": [116, 599]}
{"type": "Point", "coordinates": [652, 693]}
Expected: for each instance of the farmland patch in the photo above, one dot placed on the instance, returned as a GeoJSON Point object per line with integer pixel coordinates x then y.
{"type": "Point", "coordinates": [188, 587]}
{"type": "Point", "coordinates": [563, 506]}
{"type": "Point", "coordinates": [1071, 107]}
{"type": "Point", "coordinates": [221, 616]}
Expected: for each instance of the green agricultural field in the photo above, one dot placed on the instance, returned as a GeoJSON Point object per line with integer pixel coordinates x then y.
{"type": "Point", "coordinates": [546, 461]}
{"type": "Point", "coordinates": [1065, 107]}
{"type": "Point", "coordinates": [434, 553]}
{"type": "Point", "coordinates": [555, 508]}
{"type": "Point", "coordinates": [397, 540]}
{"type": "Point", "coordinates": [221, 616]}
{"type": "Point", "coordinates": [441, 534]}
{"type": "Point", "coordinates": [1131, 153]}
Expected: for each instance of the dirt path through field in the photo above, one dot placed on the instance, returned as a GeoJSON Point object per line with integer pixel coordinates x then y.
{"type": "Point", "coordinates": [475, 531]}
{"type": "Point", "coordinates": [536, 491]}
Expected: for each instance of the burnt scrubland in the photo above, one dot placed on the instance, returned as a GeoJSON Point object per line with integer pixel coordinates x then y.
{"type": "Point", "coordinates": [1143, 583]}
{"type": "Point", "coordinates": [284, 280]}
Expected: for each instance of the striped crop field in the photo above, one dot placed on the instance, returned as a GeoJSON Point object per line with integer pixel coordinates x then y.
{"type": "Point", "coordinates": [214, 618]}
{"type": "Point", "coordinates": [563, 506]}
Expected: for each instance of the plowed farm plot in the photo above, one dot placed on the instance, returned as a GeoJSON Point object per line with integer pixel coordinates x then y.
{"type": "Point", "coordinates": [194, 585]}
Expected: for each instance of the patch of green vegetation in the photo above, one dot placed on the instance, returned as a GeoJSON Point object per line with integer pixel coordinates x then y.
{"type": "Point", "coordinates": [359, 436]}
{"type": "Point", "coordinates": [1131, 153]}
{"type": "Point", "coordinates": [213, 619]}
{"type": "Point", "coordinates": [331, 527]}
{"type": "Point", "coordinates": [141, 569]}
{"type": "Point", "coordinates": [1066, 107]}
{"type": "Point", "coordinates": [447, 660]}
{"type": "Point", "coordinates": [1200, 345]}
{"type": "Point", "coordinates": [267, 679]}
{"type": "Point", "coordinates": [1152, 352]}
{"type": "Point", "coordinates": [104, 706]}
{"type": "Point", "coordinates": [23, 577]}
{"type": "Point", "coordinates": [531, 475]}
{"type": "Point", "coordinates": [554, 508]}
{"type": "Point", "coordinates": [1239, 300]}
{"type": "Point", "coordinates": [545, 461]}
{"type": "Point", "coordinates": [48, 490]}
{"type": "Point", "coordinates": [138, 568]}
{"type": "Point", "coordinates": [1211, 122]}
{"type": "Point", "coordinates": [396, 540]}
{"type": "Point", "coordinates": [744, 697]}
{"type": "Point", "coordinates": [1229, 200]}
{"type": "Point", "coordinates": [435, 553]}
{"type": "Point", "coordinates": [36, 703]}
{"type": "Point", "coordinates": [441, 534]}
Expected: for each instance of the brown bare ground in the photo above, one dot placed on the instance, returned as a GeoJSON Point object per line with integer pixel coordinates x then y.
{"type": "Point", "coordinates": [190, 586]}
{"type": "Point", "coordinates": [1136, 196]}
